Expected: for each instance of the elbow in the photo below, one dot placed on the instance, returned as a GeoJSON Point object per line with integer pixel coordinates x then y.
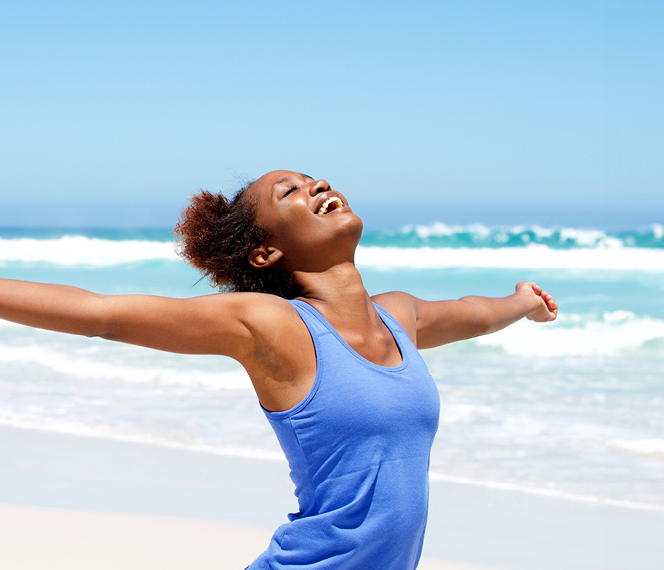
{"type": "Point", "coordinates": [105, 336]}
{"type": "Point", "coordinates": [94, 330]}
{"type": "Point", "coordinates": [100, 321]}
{"type": "Point", "coordinates": [104, 332]}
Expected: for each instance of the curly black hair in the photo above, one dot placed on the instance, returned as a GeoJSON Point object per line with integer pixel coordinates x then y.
{"type": "Point", "coordinates": [216, 235]}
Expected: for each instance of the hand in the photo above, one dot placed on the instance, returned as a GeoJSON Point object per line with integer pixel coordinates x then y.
{"type": "Point", "coordinates": [546, 309]}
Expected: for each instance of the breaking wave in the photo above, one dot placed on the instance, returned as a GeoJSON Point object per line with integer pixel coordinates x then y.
{"type": "Point", "coordinates": [415, 247]}
{"type": "Point", "coordinates": [578, 335]}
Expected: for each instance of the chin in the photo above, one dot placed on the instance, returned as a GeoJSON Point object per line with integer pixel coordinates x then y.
{"type": "Point", "coordinates": [356, 226]}
{"type": "Point", "coordinates": [346, 236]}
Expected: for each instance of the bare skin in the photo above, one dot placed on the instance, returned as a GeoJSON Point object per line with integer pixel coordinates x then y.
{"type": "Point", "coordinates": [264, 332]}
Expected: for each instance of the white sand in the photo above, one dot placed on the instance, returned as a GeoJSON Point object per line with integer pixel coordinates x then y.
{"type": "Point", "coordinates": [98, 504]}
{"type": "Point", "coordinates": [35, 538]}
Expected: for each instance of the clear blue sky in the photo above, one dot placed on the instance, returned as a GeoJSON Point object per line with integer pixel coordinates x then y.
{"type": "Point", "coordinates": [495, 112]}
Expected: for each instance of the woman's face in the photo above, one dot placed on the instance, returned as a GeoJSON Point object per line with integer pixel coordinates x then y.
{"type": "Point", "coordinates": [311, 224]}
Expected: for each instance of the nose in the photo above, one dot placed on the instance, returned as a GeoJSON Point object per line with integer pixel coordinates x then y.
{"type": "Point", "coordinates": [319, 186]}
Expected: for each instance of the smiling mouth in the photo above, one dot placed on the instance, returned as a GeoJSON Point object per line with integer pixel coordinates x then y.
{"type": "Point", "coordinates": [330, 205]}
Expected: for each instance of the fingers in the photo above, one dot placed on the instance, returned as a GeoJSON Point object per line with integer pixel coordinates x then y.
{"type": "Point", "coordinates": [548, 299]}
{"type": "Point", "coordinates": [551, 305]}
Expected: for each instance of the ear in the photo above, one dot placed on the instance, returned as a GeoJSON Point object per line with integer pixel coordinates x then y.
{"type": "Point", "coordinates": [263, 256]}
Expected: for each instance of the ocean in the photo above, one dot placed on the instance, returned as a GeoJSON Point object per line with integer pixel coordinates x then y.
{"type": "Point", "coordinates": [572, 410]}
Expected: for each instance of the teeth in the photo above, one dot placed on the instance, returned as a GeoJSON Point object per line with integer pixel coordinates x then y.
{"type": "Point", "coordinates": [323, 208]}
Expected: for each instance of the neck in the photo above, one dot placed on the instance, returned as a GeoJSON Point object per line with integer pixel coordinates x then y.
{"type": "Point", "coordinates": [337, 293]}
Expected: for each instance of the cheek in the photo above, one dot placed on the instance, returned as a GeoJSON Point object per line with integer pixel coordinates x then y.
{"type": "Point", "coordinates": [284, 229]}
{"type": "Point", "coordinates": [302, 237]}
{"type": "Point", "coordinates": [296, 234]}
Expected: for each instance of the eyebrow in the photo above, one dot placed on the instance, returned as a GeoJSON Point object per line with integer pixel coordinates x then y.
{"type": "Point", "coordinates": [286, 179]}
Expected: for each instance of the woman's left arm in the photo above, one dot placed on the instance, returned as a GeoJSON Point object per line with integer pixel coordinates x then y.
{"type": "Point", "coordinates": [434, 323]}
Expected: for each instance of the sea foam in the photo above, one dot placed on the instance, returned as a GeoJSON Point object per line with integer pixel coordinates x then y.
{"type": "Point", "coordinates": [577, 335]}
{"type": "Point", "coordinates": [69, 251]}
{"type": "Point", "coordinates": [418, 248]}
{"type": "Point", "coordinates": [551, 493]}
{"type": "Point", "coordinates": [63, 362]}
{"type": "Point", "coordinates": [532, 257]}
{"type": "Point", "coordinates": [653, 448]}
{"type": "Point", "coordinates": [80, 429]}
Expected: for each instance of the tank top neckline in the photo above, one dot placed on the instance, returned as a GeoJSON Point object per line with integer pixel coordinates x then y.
{"type": "Point", "coordinates": [390, 322]}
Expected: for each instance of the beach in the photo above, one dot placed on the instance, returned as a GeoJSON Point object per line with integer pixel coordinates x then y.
{"type": "Point", "coordinates": [549, 453]}
{"type": "Point", "coordinates": [81, 502]}
{"type": "Point", "coordinates": [35, 538]}
{"type": "Point", "coordinates": [460, 156]}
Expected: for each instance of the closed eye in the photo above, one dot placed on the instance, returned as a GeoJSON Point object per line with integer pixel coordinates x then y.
{"type": "Point", "coordinates": [292, 189]}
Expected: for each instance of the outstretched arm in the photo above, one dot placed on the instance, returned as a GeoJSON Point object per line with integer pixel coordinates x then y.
{"type": "Point", "coordinates": [434, 323]}
{"type": "Point", "coordinates": [211, 324]}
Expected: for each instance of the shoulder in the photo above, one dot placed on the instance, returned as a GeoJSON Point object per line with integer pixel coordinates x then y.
{"type": "Point", "coordinates": [241, 323]}
{"type": "Point", "coordinates": [269, 329]}
{"type": "Point", "coordinates": [258, 312]}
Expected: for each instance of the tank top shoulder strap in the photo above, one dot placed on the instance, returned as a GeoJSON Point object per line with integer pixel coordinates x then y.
{"type": "Point", "coordinates": [317, 326]}
{"type": "Point", "coordinates": [391, 323]}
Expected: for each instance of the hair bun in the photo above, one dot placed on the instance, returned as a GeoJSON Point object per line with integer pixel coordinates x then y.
{"type": "Point", "coordinates": [216, 235]}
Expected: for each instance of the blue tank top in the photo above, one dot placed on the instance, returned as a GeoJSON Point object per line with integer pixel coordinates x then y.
{"type": "Point", "coordinates": [358, 449]}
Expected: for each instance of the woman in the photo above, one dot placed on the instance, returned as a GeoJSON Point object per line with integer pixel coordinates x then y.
{"type": "Point", "coordinates": [336, 371]}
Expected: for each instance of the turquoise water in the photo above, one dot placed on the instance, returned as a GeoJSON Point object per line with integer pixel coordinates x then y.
{"type": "Point", "coordinates": [572, 409]}
{"type": "Point", "coordinates": [478, 235]}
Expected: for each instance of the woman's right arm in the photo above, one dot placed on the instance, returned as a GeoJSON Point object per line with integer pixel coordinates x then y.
{"type": "Point", "coordinates": [222, 323]}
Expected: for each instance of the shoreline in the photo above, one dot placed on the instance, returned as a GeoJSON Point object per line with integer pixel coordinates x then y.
{"type": "Point", "coordinates": [71, 482]}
